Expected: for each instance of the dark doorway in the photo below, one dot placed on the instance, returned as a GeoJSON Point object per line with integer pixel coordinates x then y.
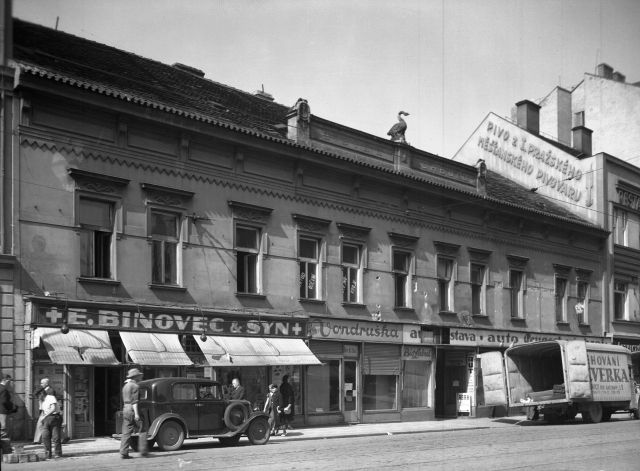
{"type": "Point", "coordinates": [451, 379]}
{"type": "Point", "coordinates": [107, 383]}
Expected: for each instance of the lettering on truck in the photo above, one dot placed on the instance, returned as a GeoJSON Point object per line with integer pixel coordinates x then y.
{"type": "Point", "coordinates": [609, 373]}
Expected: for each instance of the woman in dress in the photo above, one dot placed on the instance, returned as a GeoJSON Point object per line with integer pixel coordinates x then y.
{"type": "Point", "coordinates": [286, 391]}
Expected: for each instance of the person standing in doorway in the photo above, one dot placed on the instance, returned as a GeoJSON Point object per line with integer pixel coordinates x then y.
{"type": "Point", "coordinates": [237, 390]}
{"type": "Point", "coordinates": [131, 419]}
{"type": "Point", "coordinates": [41, 393]}
{"type": "Point", "coordinates": [51, 425]}
{"type": "Point", "coordinates": [286, 417]}
{"type": "Point", "coordinates": [6, 407]}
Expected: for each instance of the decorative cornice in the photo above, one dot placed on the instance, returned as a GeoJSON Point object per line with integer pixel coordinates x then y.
{"type": "Point", "coordinates": [310, 223]}
{"type": "Point", "coordinates": [516, 261]}
{"type": "Point", "coordinates": [165, 195]}
{"type": "Point", "coordinates": [96, 182]}
{"type": "Point", "coordinates": [350, 231]}
{"type": "Point", "coordinates": [250, 212]}
{"type": "Point", "coordinates": [403, 240]}
{"type": "Point", "coordinates": [562, 270]}
{"type": "Point", "coordinates": [446, 248]}
{"type": "Point", "coordinates": [479, 255]}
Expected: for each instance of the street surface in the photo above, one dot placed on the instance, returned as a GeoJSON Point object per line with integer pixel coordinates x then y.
{"type": "Point", "coordinates": [576, 446]}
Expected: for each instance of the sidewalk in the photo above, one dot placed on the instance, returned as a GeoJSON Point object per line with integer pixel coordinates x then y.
{"type": "Point", "coordinates": [87, 446]}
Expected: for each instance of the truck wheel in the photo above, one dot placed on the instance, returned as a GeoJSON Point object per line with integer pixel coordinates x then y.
{"type": "Point", "coordinates": [606, 414]}
{"type": "Point", "coordinates": [553, 417]}
{"type": "Point", "coordinates": [258, 431]}
{"type": "Point", "coordinates": [170, 436]}
{"type": "Point", "coordinates": [592, 413]}
{"type": "Point", "coordinates": [636, 414]}
{"type": "Point", "coordinates": [532, 412]}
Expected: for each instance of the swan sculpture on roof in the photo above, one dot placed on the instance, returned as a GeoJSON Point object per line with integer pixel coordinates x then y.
{"type": "Point", "coordinates": [397, 130]}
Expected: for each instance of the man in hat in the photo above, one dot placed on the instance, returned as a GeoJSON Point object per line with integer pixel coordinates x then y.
{"type": "Point", "coordinates": [6, 407]}
{"type": "Point", "coordinates": [131, 416]}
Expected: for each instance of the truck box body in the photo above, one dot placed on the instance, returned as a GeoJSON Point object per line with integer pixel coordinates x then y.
{"type": "Point", "coordinates": [560, 376]}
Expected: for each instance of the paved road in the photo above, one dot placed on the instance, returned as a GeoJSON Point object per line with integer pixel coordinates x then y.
{"type": "Point", "coordinates": [519, 446]}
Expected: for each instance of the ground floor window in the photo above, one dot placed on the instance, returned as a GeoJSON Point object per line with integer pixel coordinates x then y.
{"type": "Point", "coordinates": [323, 387]}
{"type": "Point", "coordinates": [253, 378]}
{"type": "Point", "coordinates": [380, 392]}
{"type": "Point", "coordinates": [415, 383]}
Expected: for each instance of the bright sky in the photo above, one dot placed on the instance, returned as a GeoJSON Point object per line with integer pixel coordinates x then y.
{"type": "Point", "coordinates": [358, 62]}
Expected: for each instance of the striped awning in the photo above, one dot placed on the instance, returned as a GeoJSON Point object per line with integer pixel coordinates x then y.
{"type": "Point", "coordinates": [147, 348]}
{"type": "Point", "coordinates": [77, 347]}
{"type": "Point", "coordinates": [255, 351]}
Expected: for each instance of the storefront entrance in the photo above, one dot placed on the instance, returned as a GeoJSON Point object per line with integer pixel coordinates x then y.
{"type": "Point", "coordinates": [451, 380]}
{"type": "Point", "coordinates": [107, 382]}
{"type": "Point", "coordinates": [350, 388]}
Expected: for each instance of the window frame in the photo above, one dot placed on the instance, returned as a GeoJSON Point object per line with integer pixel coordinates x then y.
{"type": "Point", "coordinates": [561, 283]}
{"type": "Point", "coordinates": [247, 252]}
{"type": "Point", "coordinates": [482, 295]}
{"type": "Point", "coordinates": [180, 221]}
{"type": "Point", "coordinates": [306, 261]}
{"type": "Point", "coordinates": [114, 206]}
{"type": "Point", "coordinates": [406, 273]}
{"type": "Point", "coordinates": [446, 303]}
{"type": "Point", "coordinates": [620, 227]}
{"type": "Point", "coordinates": [620, 288]}
{"type": "Point", "coordinates": [358, 266]}
{"type": "Point", "coordinates": [517, 299]}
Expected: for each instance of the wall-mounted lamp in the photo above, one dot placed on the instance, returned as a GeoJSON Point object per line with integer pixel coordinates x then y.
{"type": "Point", "coordinates": [203, 335]}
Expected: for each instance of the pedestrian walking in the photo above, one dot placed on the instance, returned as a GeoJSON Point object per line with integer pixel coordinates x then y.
{"type": "Point", "coordinates": [6, 407]}
{"type": "Point", "coordinates": [237, 391]}
{"type": "Point", "coordinates": [288, 400]}
{"type": "Point", "coordinates": [51, 426]}
{"type": "Point", "coordinates": [41, 394]}
{"type": "Point", "coordinates": [131, 419]}
{"type": "Point", "coordinates": [273, 407]}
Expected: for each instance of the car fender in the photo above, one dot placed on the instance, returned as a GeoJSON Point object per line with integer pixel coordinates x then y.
{"type": "Point", "coordinates": [157, 423]}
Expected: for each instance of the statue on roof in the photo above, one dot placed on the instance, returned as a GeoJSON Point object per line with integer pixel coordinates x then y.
{"type": "Point", "coordinates": [397, 130]}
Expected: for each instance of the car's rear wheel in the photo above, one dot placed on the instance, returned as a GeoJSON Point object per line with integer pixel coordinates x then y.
{"type": "Point", "coordinates": [170, 436]}
{"type": "Point", "coordinates": [230, 441]}
{"type": "Point", "coordinates": [258, 431]}
{"type": "Point", "coordinates": [235, 415]}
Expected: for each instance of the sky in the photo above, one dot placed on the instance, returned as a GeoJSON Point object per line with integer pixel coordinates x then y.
{"type": "Point", "coordinates": [359, 62]}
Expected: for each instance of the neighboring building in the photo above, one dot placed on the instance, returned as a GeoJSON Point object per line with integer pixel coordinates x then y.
{"type": "Point", "coordinates": [153, 217]}
{"type": "Point", "coordinates": [580, 150]}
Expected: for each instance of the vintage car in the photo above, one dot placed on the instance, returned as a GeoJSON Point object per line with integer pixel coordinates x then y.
{"type": "Point", "coordinates": [180, 408]}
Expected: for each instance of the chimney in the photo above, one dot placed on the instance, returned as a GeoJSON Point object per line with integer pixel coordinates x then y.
{"type": "Point", "coordinates": [481, 178]}
{"type": "Point", "coordinates": [604, 70]}
{"type": "Point", "coordinates": [189, 69]}
{"type": "Point", "coordinates": [298, 122]}
{"type": "Point", "coordinates": [582, 139]}
{"type": "Point", "coordinates": [264, 95]}
{"type": "Point", "coordinates": [618, 77]}
{"type": "Point", "coordinates": [528, 116]}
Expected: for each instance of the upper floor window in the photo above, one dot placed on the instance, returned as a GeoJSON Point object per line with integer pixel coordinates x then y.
{"type": "Point", "coordinates": [620, 307]}
{"type": "Point", "coordinates": [96, 219]}
{"type": "Point", "coordinates": [351, 273]}
{"type": "Point", "coordinates": [517, 285]}
{"type": "Point", "coordinates": [402, 262]}
{"type": "Point", "coordinates": [445, 283]}
{"type": "Point", "coordinates": [582, 304]}
{"type": "Point", "coordinates": [561, 299]}
{"type": "Point", "coordinates": [247, 246]}
{"type": "Point", "coordinates": [478, 289]}
{"type": "Point", "coordinates": [309, 264]}
{"type": "Point", "coordinates": [620, 226]}
{"type": "Point", "coordinates": [165, 241]}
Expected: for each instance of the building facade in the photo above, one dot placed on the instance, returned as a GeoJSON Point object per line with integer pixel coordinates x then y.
{"type": "Point", "coordinates": [579, 149]}
{"type": "Point", "coordinates": [155, 218]}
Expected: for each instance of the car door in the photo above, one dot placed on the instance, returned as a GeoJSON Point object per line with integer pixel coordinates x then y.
{"type": "Point", "coordinates": [184, 403]}
{"type": "Point", "coordinates": [210, 408]}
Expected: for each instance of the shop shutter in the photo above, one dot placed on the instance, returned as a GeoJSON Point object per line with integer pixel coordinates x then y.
{"type": "Point", "coordinates": [328, 349]}
{"type": "Point", "coordinates": [381, 359]}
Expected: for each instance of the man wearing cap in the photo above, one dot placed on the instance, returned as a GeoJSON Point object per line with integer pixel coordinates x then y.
{"type": "Point", "coordinates": [131, 416]}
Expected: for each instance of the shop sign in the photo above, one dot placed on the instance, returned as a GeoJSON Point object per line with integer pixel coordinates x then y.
{"type": "Point", "coordinates": [630, 344]}
{"type": "Point", "coordinates": [167, 321]}
{"type": "Point", "coordinates": [417, 352]}
{"type": "Point", "coordinates": [497, 338]}
{"type": "Point", "coordinates": [350, 350]}
{"type": "Point", "coordinates": [356, 331]}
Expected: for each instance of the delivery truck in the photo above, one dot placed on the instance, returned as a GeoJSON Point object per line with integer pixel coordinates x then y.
{"type": "Point", "coordinates": [559, 379]}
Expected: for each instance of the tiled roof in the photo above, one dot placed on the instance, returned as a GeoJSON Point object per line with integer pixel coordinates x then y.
{"type": "Point", "coordinates": [87, 64]}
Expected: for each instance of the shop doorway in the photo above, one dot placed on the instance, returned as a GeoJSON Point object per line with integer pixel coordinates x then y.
{"type": "Point", "coordinates": [107, 384]}
{"type": "Point", "coordinates": [350, 391]}
{"type": "Point", "coordinates": [451, 380]}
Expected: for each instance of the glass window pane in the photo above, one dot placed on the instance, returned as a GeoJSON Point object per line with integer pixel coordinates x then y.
{"type": "Point", "coordinates": [477, 274]}
{"type": "Point", "coordinates": [246, 238]}
{"type": "Point", "coordinates": [401, 261]}
{"type": "Point", "coordinates": [350, 254]}
{"type": "Point", "coordinates": [400, 288]}
{"type": "Point", "coordinates": [308, 249]}
{"type": "Point", "coordinates": [323, 387]}
{"type": "Point", "coordinates": [95, 213]}
{"type": "Point", "coordinates": [379, 392]}
{"type": "Point", "coordinates": [86, 253]}
{"type": "Point", "coordinates": [445, 268]}
{"type": "Point", "coordinates": [164, 224]}
{"type": "Point", "coordinates": [184, 392]}
{"type": "Point", "coordinates": [156, 261]}
{"type": "Point", "coordinates": [415, 391]}
{"type": "Point", "coordinates": [170, 270]}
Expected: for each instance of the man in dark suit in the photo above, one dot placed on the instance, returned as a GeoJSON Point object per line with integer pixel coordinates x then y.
{"type": "Point", "coordinates": [237, 391]}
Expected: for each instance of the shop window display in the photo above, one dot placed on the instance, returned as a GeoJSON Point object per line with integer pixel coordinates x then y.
{"type": "Point", "coordinates": [323, 387]}
{"type": "Point", "coordinates": [380, 392]}
{"type": "Point", "coordinates": [415, 384]}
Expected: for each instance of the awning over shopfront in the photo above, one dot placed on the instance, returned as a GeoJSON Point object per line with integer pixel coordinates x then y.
{"type": "Point", "coordinates": [77, 347]}
{"type": "Point", "coordinates": [146, 348]}
{"type": "Point", "coordinates": [250, 351]}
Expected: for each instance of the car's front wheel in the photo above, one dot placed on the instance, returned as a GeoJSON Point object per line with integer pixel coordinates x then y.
{"type": "Point", "coordinates": [170, 436]}
{"type": "Point", "coordinates": [258, 431]}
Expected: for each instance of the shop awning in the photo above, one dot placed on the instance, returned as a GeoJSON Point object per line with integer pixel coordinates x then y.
{"type": "Point", "coordinates": [147, 348]}
{"type": "Point", "coordinates": [250, 351]}
{"type": "Point", "coordinates": [77, 347]}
